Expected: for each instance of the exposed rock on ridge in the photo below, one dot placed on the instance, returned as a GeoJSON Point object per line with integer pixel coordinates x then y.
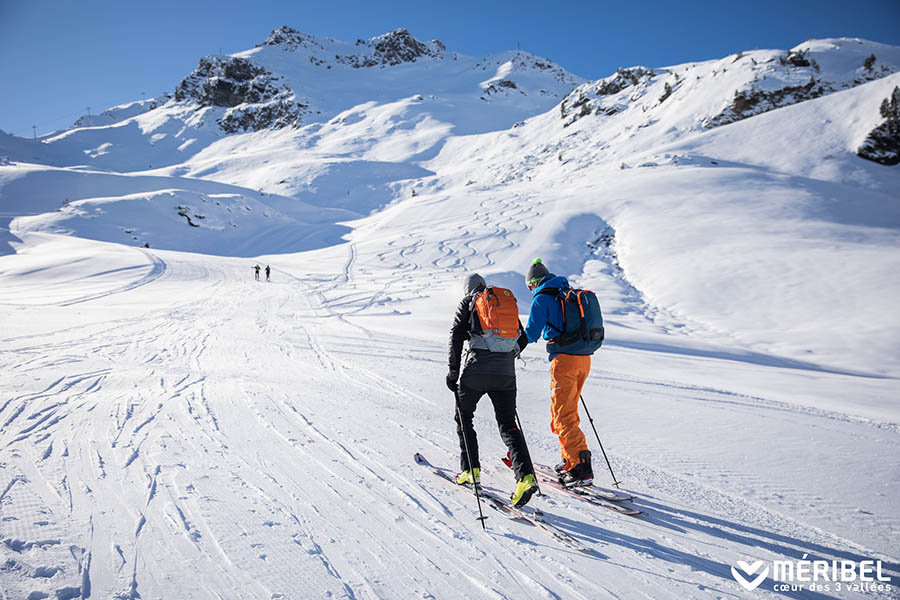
{"type": "Point", "coordinates": [393, 48]}
{"type": "Point", "coordinates": [883, 143]}
{"type": "Point", "coordinates": [590, 97]}
{"type": "Point", "coordinates": [252, 95]}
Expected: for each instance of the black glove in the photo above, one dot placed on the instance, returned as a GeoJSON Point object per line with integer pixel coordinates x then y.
{"type": "Point", "coordinates": [452, 377]}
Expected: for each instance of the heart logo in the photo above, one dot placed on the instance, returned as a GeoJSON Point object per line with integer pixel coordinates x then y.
{"type": "Point", "coordinates": [749, 570]}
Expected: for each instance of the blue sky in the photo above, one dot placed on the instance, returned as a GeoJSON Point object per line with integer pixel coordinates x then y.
{"type": "Point", "coordinates": [58, 57]}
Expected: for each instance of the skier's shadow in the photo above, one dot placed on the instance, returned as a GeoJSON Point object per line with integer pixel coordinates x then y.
{"type": "Point", "coordinates": [678, 520]}
{"type": "Point", "coordinates": [534, 540]}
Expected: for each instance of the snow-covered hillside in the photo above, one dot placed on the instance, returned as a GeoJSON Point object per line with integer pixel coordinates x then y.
{"type": "Point", "coordinates": [160, 404]}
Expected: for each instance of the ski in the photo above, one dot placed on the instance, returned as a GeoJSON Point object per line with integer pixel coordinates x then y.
{"type": "Point", "coordinates": [534, 517]}
{"type": "Point", "coordinates": [584, 493]}
{"type": "Point", "coordinates": [602, 493]}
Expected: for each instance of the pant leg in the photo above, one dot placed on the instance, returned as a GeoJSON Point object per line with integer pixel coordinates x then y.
{"type": "Point", "coordinates": [467, 398]}
{"type": "Point", "coordinates": [504, 401]}
{"type": "Point", "coordinates": [567, 376]}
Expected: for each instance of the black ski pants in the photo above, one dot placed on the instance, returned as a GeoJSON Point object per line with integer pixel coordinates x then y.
{"type": "Point", "coordinates": [501, 389]}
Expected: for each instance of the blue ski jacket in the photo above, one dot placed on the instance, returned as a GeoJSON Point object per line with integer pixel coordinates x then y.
{"type": "Point", "coordinates": [546, 318]}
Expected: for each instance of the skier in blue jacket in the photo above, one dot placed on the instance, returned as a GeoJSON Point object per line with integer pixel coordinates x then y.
{"type": "Point", "coordinates": [568, 372]}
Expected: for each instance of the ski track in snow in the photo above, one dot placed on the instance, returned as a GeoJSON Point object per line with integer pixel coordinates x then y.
{"type": "Point", "coordinates": [138, 461]}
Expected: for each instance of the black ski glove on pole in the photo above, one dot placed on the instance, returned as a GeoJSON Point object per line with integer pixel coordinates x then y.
{"type": "Point", "coordinates": [452, 377]}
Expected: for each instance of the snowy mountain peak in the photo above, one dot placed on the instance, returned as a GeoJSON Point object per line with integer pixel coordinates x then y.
{"type": "Point", "coordinates": [390, 49]}
{"type": "Point", "coordinates": [399, 46]}
{"type": "Point", "coordinates": [288, 38]}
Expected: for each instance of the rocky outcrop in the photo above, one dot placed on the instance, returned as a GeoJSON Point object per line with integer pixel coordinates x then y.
{"type": "Point", "coordinates": [753, 83]}
{"type": "Point", "coordinates": [499, 87]}
{"type": "Point", "coordinates": [752, 101]}
{"type": "Point", "coordinates": [391, 49]}
{"type": "Point", "coordinates": [883, 143]}
{"type": "Point", "coordinates": [255, 98]}
{"type": "Point", "coordinates": [399, 46]}
{"type": "Point", "coordinates": [271, 115]}
{"type": "Point", "coordinates": [227, 82]}
{"type": "Point", "coordinates": [588, 98]}
{"type": "Point", "coordinates": [797, 58]}
{"type": "Point", "coordinates": [289, 39]}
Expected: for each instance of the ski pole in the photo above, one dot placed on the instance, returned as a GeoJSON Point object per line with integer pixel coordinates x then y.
{"type": "Point", "coordinates": [462, 428]}
{"type": "Point", "coordinates": [519, 423]}
{"type": "Point", "coordinates": [584, 404]}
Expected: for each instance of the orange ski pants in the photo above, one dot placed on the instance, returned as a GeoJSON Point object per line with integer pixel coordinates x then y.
{"type": "Point", "coordinates": [568, 372]}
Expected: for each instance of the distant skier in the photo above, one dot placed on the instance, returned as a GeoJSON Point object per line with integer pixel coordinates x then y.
{"type": "Point", "coordinates": [256, 272]}
{"type": "Point", "coordinates": [490, 369]}
{"type": "Point", "coordinates": [268, 271]}
{"type": "Point", "coordinates": [568, 372]}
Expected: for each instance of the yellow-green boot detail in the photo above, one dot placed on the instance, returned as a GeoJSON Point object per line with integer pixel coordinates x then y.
{"type": "Point", "coordinates": [470, 476]}
{"type": "Point", "coordinates": [525, 489]}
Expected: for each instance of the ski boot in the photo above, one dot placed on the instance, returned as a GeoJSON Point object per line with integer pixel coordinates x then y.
{"type": "Point", "coordinates": [581, 474]}
{"type": "Point", "coordinates": [525, 489]}
{"type": "Point", "coordinates": [469, 476]}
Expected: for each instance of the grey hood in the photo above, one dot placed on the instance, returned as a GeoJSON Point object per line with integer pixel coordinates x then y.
{"type": "Point", "coordinates": [473, 282]}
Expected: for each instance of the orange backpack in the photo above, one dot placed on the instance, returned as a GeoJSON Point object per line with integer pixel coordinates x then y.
{"type": "Point", "coordinates": [497, 327]}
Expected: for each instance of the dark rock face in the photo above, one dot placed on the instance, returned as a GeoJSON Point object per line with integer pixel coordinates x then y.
{"type": "Point", "coordinates": [624, 78]}
{"type": "Point", "coordinates": [796, 59]}
{"type": "Point", "coordinates": [587, 98]}
{"type": "Point", "coordinates": [253, 95]}
{"type": "Point", "coordinates": [399, 47]}
{"type": "Point", "coordinates": [750, 102]}
{"type": "Point", "coordinates": [499, 87]}
{"type": "Point", "coordinates": [394, 48]}
{"type": "Point", "coordinates": [883, 143]}
{"type": "Point", "coordinates": [286, 37]}
{"type": "Point", "coordinates": [273, 115]}
{"type": "Point", "coordinates": [227, 82]}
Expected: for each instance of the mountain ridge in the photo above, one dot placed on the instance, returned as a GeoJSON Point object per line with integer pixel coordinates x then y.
{"type": "Point", "coordinates": [459, 136]}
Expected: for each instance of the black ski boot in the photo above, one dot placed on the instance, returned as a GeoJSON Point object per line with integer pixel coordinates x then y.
{"type": "Point", "coordinates": [581, 474]}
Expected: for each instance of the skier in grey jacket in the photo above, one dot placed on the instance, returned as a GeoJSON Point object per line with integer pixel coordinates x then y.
{"type": "Point", "coordinates": [494, 374]}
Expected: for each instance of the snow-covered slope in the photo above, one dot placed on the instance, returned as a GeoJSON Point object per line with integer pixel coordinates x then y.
{"type": "Point", "coordinates": [171, 428]}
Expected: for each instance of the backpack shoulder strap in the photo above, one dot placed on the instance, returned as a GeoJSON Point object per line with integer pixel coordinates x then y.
{"type": "Point", "coordinates": [474, 322]}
